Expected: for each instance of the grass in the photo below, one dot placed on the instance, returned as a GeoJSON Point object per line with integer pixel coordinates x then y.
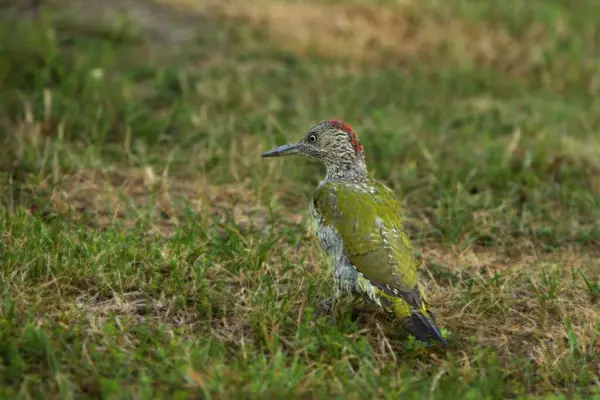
{"type": "Point", "coordinates": [147, 251]}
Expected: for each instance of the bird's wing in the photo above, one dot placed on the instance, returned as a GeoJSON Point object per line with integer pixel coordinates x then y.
{"type": "Point", "coordinates": [368, 219]}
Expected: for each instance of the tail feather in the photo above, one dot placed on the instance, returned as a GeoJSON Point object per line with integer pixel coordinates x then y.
{"type": "Point", "coordinates": [423, 327]}
{"type": "Point", "coordinates": [418, 322]}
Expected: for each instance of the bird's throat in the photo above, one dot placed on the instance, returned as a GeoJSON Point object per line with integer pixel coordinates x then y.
{"type": "Point", "coordinates": [355, 171]}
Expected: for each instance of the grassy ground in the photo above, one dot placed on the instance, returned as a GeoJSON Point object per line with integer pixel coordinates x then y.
{"type": "Point", "coordinates": [147, 251]}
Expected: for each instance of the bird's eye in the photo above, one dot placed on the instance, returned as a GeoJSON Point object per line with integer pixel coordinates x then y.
{"type": "Point", "coordinates": [312, 138]}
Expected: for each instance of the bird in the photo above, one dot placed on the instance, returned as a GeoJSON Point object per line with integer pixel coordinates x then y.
{"type": "Point", "coordinates": [359, 224]}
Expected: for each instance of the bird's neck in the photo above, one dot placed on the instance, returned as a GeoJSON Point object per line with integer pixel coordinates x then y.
{"type": "Point", "coordinates": [353, 170]}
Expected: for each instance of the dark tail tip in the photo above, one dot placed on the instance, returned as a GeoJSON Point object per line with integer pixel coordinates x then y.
{"type": "Point", "coordinates": [423, 328]}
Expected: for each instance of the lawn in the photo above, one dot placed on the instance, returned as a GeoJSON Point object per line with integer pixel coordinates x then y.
{"type": "Point", "coordinates": [147, 251]}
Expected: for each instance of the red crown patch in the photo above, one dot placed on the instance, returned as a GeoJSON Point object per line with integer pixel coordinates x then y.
{"type": "Point", "coordinates": [341, 125]}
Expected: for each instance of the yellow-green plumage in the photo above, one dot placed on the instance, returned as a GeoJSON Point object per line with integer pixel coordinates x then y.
{"type": "Point", "coordinates": [359, 224]}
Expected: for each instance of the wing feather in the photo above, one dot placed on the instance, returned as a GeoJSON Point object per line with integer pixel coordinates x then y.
{"type": "Point", "coordinates": [368, 218]}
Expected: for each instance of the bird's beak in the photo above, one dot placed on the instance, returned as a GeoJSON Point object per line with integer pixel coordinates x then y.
{"type": "Point", "coordinates": [285, 150]}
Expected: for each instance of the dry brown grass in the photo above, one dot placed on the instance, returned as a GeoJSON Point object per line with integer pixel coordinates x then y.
{"type": "Point", "coordinates": [507, 315]}
{"type": "Point", "coordinates": [133, 194]}
{"type": "Point", "coordinates": [508, 308]}
{"type": "Point", "coordinates": [381, 34]}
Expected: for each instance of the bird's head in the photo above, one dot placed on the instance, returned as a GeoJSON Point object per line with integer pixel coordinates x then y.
{"type": "Point", "coordinates": [332, 142]}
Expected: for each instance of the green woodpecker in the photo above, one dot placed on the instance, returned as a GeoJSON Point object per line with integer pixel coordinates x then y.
{"type": "Point", "coordinates": [359, 226]}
